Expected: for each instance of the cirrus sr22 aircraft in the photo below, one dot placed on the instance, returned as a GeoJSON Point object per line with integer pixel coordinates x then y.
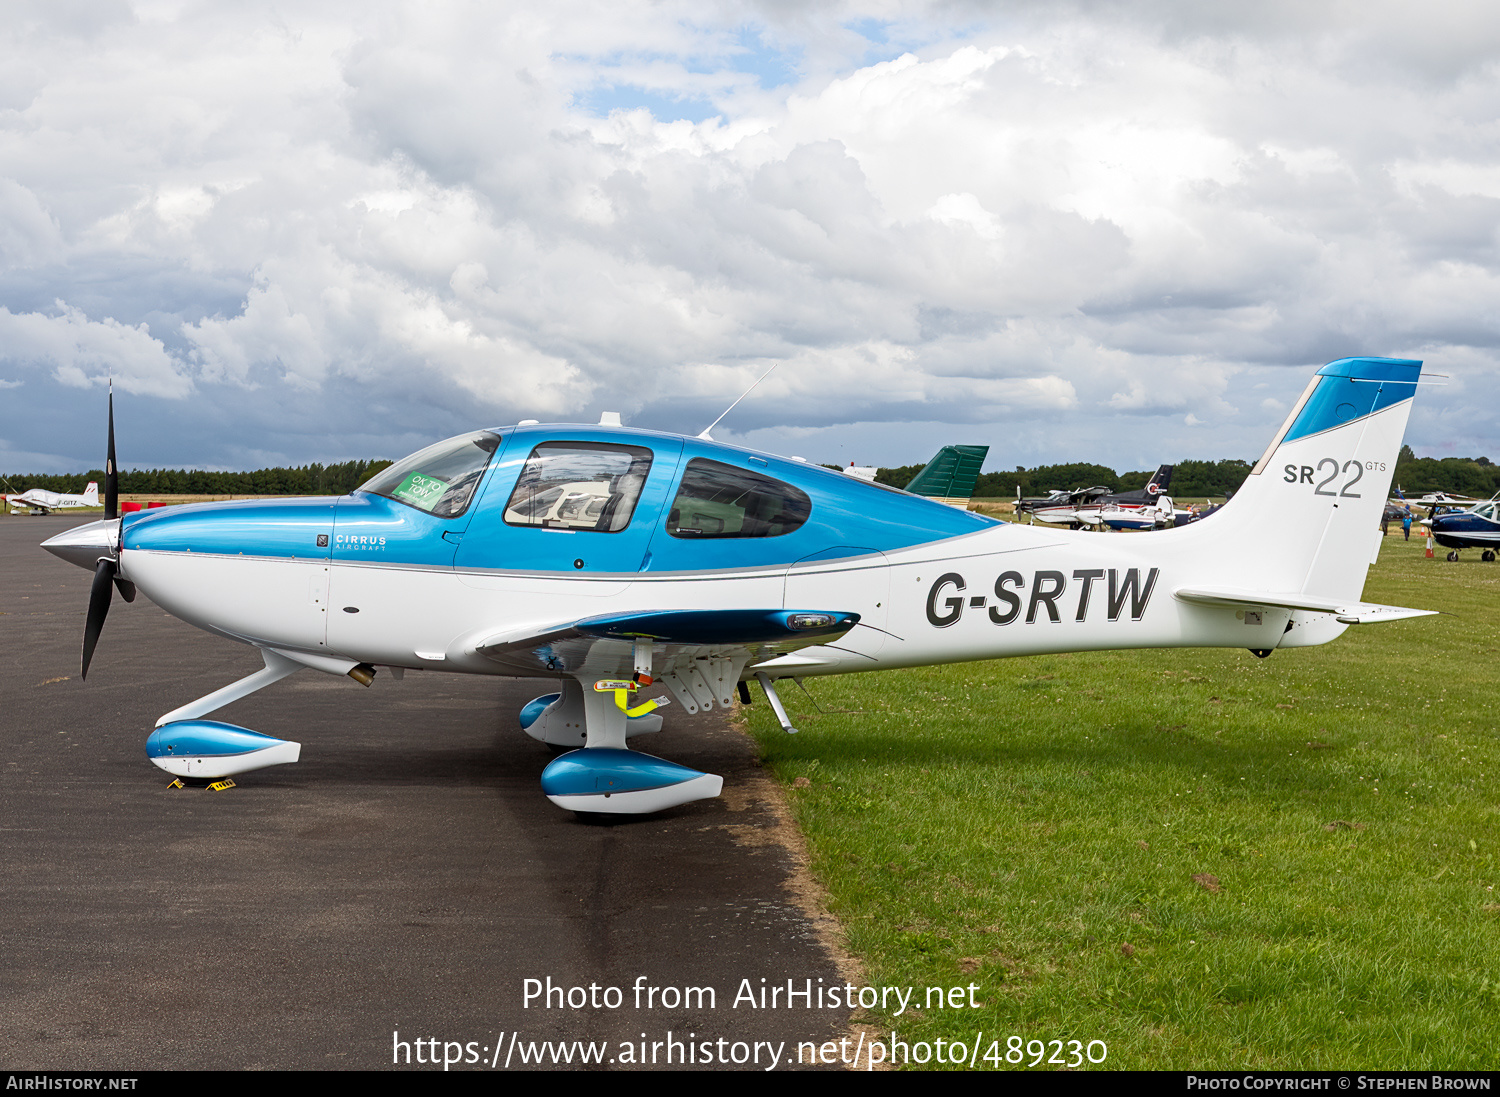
{"type": "Point", "coordinates": [621, 562]}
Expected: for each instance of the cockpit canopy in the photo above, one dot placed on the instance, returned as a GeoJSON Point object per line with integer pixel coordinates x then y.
{"type": "Point", "coordinates": [440, 479]}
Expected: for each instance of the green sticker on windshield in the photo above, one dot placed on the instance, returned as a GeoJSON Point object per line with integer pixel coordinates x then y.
{"type": "Point", "coordinates": [421, 490]}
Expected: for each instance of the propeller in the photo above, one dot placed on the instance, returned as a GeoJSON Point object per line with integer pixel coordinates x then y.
{"type": "Point", "coordinates": [106, 571]}
{"type": "Point", "coordinates": [111, 475]}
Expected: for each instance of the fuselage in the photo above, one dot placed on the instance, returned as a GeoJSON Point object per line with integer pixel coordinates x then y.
{"type": "Point", "coordinates": [378, 579]}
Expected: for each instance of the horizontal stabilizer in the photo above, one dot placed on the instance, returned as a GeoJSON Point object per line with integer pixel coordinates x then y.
{"type": "Point", "coordinates": [1348, 613]}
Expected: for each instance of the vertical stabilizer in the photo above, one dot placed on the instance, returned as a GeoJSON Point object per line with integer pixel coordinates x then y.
{"type": "Point", "coordinates": [950, 476]}
{"type": "Point", "coordinates": [1306, 517]}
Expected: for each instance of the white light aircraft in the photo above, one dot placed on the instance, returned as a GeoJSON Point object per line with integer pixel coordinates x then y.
{"type": "Point", "coordinates": [621, 561]}
{"type": "Point", "coordinates": [38, 501]}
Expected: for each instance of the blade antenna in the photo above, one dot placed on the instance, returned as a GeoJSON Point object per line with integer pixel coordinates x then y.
{"type": "Point", "coordinates": [708, 437]}
{"type": "Point", "coordinates": [111, 472]}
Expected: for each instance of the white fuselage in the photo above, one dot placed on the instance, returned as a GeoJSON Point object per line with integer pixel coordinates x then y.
{"type": "Point", "coordinates": [1305, 523]}
{"type": "Point", "coordinates": [1061, 591]}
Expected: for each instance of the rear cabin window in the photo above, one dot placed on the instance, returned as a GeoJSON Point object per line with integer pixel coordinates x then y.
{"type": "Point", "coordinates": [717, 501]}
{"type": "Point", "coordinates": [586, 486]}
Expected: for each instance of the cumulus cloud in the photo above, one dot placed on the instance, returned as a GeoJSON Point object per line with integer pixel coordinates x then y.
{"type": "Point", "coordinates": [1089, 230]}
{"type": "Point", "coordinates": [81, 352]}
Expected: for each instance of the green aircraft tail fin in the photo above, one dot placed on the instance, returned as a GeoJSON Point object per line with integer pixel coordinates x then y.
{"type": "Point", "coordinates": [949, 477]}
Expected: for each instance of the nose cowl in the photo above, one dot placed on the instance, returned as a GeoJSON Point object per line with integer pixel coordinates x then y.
{"type": "Point", "coordinates": [86, 545]}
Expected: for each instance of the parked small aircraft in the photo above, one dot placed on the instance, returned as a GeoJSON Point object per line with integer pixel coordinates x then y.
{"type": "Point", "coordinates": [38, 501]}
{"type": "Point", "coordinates": [1197, 513]}
{"type": "Point", "coordinates": [1116, 517]}
{"type": "Point", "coordinates": [1478, 527]}
{"type": "Point", "coordinates": [1435, 499]}
{"type": "Point", "coordinates": [617, 561]}
{"type": "Point", "coordinates": [1083, 506]}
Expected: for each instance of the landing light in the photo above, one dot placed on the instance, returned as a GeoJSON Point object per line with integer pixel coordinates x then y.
{"type": "Point", "coordinates": [801, 621]}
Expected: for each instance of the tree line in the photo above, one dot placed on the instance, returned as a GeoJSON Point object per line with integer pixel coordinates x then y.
{"type": "Point", "coordinates": [1189, 479]}
{"type": "Point", "coordinates": [314, 479]}
{"type": "Point", "coordinates": [1477, 476]}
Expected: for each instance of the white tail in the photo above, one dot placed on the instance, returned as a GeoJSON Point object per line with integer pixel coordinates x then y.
{"type": "Point", "coordinates": [1306, 520]}
{"type": "Point", "coordinates": [91, 494]}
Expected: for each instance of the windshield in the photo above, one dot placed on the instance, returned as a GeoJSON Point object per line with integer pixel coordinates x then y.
{"type": "Point", "coordinates": [439, 479]}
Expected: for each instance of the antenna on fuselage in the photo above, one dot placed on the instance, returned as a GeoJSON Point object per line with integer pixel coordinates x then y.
{"type": "Point", "coordinates": [708, 437]}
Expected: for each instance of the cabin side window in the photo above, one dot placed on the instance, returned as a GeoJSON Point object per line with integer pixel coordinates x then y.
{"type": "Point", "coordinates": [439, 479]}
{"type": "Point", "coordinates": [719, 501]}
{"type": "Point", "coordinates": [586, 486]}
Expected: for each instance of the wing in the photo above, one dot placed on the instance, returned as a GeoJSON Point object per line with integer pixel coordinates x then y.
{"type": "Point", "coordinates": [697, 653]}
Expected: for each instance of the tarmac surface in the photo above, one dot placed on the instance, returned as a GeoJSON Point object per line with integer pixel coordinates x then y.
{"type": "Point", "coordinates": [406, 877]}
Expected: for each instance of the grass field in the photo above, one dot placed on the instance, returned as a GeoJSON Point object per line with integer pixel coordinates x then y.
{"type": "Point", "coordinates": [1201, 858]}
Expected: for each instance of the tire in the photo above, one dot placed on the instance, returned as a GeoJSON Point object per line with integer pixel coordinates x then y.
{"type": "Point", "coordinates": [1453, 557]}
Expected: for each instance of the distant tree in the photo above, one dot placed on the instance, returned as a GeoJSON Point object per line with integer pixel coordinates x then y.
{"type": "Point", "coordinates": [1046, 478]}
{"type": "Point", "coordinates": [898, 477]}
{"type": "Point", "coordinates": [1206, 478]}
{"type": "Point", "coordinates": [305, 480]}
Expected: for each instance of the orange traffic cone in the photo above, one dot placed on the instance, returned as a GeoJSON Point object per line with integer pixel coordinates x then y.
{"type": "Point", "coordinates": [1429, 548]}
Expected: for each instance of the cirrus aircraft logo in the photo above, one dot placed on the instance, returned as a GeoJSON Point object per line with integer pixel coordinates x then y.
{"type": "Point", "coordinates": [357, 543]}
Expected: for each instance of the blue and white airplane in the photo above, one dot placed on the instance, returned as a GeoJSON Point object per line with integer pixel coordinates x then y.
{"type": "Point", "coordinates": [622, 561]}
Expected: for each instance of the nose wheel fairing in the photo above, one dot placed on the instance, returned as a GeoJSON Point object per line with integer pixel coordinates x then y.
{"type": "Point", "coordinates": [209, 748]}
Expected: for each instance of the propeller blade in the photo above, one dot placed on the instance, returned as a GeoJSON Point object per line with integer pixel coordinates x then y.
{"type": "Point", "coordinates": [99, 596]}
{"type": "Point", "coordinates": [111, 472]}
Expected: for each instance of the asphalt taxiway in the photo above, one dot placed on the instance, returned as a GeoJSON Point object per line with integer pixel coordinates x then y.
{"type": "Point", "coordinates": [400, 883]}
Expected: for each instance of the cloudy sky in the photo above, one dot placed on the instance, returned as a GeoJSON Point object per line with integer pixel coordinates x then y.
{"type": "Point", "coordinates": [1120, 232]}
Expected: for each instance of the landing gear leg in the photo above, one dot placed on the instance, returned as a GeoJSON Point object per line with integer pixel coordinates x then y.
{"type": "Point", "coordinates": [187, 746]}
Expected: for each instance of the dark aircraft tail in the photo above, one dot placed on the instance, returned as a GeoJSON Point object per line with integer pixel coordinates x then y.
{"type": "Point", "coordinates": [950, 476]}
